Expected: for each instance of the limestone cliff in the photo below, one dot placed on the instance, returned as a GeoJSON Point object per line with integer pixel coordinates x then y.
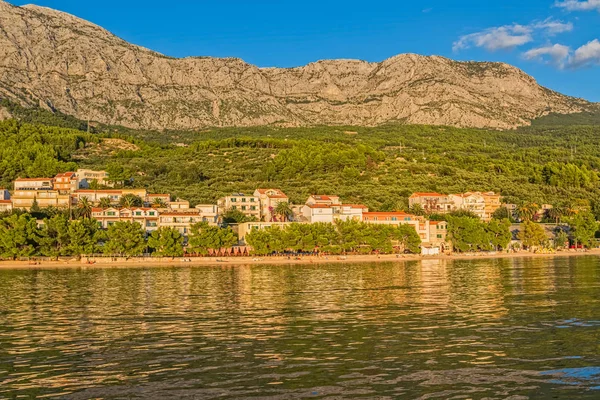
{"type": "Point", "coordinates": [61, 62]}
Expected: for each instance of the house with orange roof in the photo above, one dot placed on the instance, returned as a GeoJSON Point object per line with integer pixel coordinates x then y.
{"type": "Point", "coordinates": [323, 199]}
{"type": "Point", "coordinates": [269, 199]}
{"type": "Point", "coordinates": [432, 202]}
{"type": "Point", "coordinates": [66, 182]}
{"type": "Point", "coordinates": [481, 204]}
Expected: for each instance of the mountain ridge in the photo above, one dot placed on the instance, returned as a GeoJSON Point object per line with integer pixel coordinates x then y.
{"type": "Point", "coordinates": [61, 62]}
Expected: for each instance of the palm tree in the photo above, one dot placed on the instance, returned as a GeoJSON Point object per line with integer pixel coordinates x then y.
{"type": "Point", "coordinates": [130, 200]}
{"type": "Point", "coordinates": [105, 203]}
{"type": "Point", "coordinates": [284, 211]}
{"type": "Point", "coordinates": [84, 208]}
{"type": "Point", "coordinates": [159, 203]}
{"type": "Point", "coordinates": [556, 213]}
{"type": "Point", "coordinates": [527, 211]}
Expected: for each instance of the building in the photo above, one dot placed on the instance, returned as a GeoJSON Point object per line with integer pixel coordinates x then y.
{"type": "Point", "coordinates": [38, 190]}
{"type": "Point", "coordinates": [182, 221]}
{"type": "Point", "coordinates": [400, 218]}
{"type": "Point", "coordinates": [66, 182]}
{"type": "Point", "coordinates": [269, 199]}
{"type": "Point", "coordinates": [329, 213]}
{"type": "Point", "coordinates": [323, 199]}
{"type": "Point", "coordinates": [29, 184]}
{"type": "Point", "coordinates": [481, 204]}
{"type": "Point", "coordinates": [247, 227]}
{"type": "Point", "coordinates": [179, 204]}
{"type": "Point", "coordinates": [208, 212]}
{"type": "Point", "coordinates": [248, 205]}
{"type": "Point", "coordinates": [94, 196]}
{"type": "Point", "coordinates": [438, 231]}
{"type": "Point", "coordinates": [5, 205]}
{"type": "Point", "coordinates": [151, 199]}
{"type": "Point", "coordinates": [146, 217]}
{"type": "Point", "coordinates": [313, 213]}
{"type": "Point", "coordinates": [87, 176]}
{"type": "Point", "coordinates": [432, 203]}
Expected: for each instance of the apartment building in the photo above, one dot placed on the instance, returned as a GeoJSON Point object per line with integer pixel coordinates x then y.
{"type": "Point", "coordinates": [247, 227]}
{"type": "Point", "coordinates": [94, 196]}
{"type": "Point", "coordinates": [432, 202]}
{"type": "Point", "coordinates": [5, 205]}
{"type": "Point", "coordinates": [208, 212]}
{"type": "Point", "coordinates": [40, 190]}
{"type": "Point", "coordinates": [4, 194]}
{"type": "Point", "coordinates": [420, 224]}
{"type": "Point", "coordinates": [269, 199]}
{"type": "Point", "coordinates": [182, 221]}
{"type": "Point", "coordinates": [87, 176]}
{"type": "Point", "coordinates": [66, 182]}
{"type": "Point", "coordinates": [248, 205]}
{"type": "Point", "coordinates": [481, 204]}
{"type": "Point", "coordinates": [147, 218]}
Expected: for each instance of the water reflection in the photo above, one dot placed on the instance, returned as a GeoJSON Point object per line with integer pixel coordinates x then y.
{"type": "Point", "coordinates": [485, 328]}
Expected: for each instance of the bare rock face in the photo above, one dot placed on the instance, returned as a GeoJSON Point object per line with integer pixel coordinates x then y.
{"type": "Point", "coordinates": [61, 62]}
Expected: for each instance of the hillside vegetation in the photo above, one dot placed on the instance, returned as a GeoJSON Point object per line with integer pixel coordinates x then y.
{"type": "Point", "coordinates": [379, 167]}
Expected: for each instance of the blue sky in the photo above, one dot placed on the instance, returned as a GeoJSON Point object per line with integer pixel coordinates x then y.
{"type": "Point", "coordinates": [558, 42]}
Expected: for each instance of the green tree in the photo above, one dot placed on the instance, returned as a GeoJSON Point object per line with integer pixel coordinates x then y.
{"type": "Point", "coordinates": [84, 208]}
{"type": "Point", "coordinates": [283, 211]}
{"type": "Point", "coordinates": [499, 234]}
{"type": "Point", "coordinates": [84, 236]}
{"type": "Point", "coordinates": [561, 238]}
{"type": "Point", "coordinates": [528, 211]}
{"type": "Point", "coordinates": [408, 238]}
{"type": "Point", "coordinates": [166, 242]}
{"type": "Point", "coordinates": [467, 234]}
{"type": "Point", "coordinates": [532, 235]}
{"type": "Point", "coordinates": [583, 228]}
{"type": "Point", "coordinates": [234, 216]}
{"type": "Point", "coordinates": [54, 237]}
{"type": "Point", "coordinates": [501, 214]}
{"type": "Point", "coordinates": [19, 236]}
{"type": "Point", "coordinates": [125, 239]}
{"type": "Point", "coordinates": [204, 237]}
{"type": "Point", "coordinates": [130, 200]}
{"type": "Point", "coordinates": [159, 203]}
{"type": "Point", "coordinates": [417, 209]}
{"type": "Point", "coordinates": [105, 202]}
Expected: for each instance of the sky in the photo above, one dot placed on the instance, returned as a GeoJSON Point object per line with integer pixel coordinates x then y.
{"type": "Point", "coordinates": [555, 41]}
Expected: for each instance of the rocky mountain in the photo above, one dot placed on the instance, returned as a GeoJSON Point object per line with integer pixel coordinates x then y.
{"type": "Point", "coordinates": [60, 62]}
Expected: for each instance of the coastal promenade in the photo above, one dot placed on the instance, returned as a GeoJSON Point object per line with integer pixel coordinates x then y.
{"type": "Point", "coordinates": [122, 262]}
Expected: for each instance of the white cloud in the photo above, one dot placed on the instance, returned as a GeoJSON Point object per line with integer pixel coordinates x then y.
{"type": "Point", "coordinates": [587, 55]}
{"type": "Point", "coordinates": [562, 56]}
{"type": "Point", "coordinates": [510, 36]}
{"type": "Point", "coordinates": [553, 27]}
{"type": "Point", "coordinates": [492, 39]}
{"type": "Point", "coordinates": [557, 53]}
{"type": "Point", "coordinates": [575, 5]}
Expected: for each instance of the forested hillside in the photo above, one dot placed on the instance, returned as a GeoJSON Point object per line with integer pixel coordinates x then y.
{"type": "Point", "coordinates": [380, 166]}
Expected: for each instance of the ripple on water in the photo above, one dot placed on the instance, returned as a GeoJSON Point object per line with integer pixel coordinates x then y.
{"type": "Point", "coordinates": [486, 328]}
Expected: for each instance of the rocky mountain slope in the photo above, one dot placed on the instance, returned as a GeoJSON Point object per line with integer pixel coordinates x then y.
{"type": "Point", "coordinates": [61, 62]}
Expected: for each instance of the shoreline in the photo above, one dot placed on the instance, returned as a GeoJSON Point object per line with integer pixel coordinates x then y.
{"type": "Point", "coordinates": [306, 260]}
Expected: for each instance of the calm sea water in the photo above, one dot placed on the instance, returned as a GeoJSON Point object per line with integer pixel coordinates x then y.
{"type": "Point", "coordinates": [491, 329]}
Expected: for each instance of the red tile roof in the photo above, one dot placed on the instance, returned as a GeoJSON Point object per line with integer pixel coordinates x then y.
{"type": "Point", "coordinates": [425, 194]}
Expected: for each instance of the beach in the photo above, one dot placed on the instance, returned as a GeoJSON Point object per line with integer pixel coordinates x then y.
{"type": "Point", "coordinates": [104, 262]}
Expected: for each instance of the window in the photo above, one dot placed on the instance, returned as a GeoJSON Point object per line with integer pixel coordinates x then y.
{"type": "Point", "coordinates": [439, 236]}
{"type": "Point", "coordinates": [243, 208]}
{"type": "Point", "coordinates": [233, 199]}
{"type": "Point", "coordinates": [243, 200]}
{"type": "Point", "coordinates": [151, 213]}
{"type": "Point", "coordinates": [234, 207]}
{"type": "Point", "coordinates": [375, 219]}
{"type": "Point", "coordinates": [252, 200]}
{"type": "Point", "coordinates": [407, 218]}
{"type": "Point", "coordinates": [110, 213]}
{"type": "Point", "coordinates": [138, 213]}
{"type": "Point", "coordinates": [253, 208]}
